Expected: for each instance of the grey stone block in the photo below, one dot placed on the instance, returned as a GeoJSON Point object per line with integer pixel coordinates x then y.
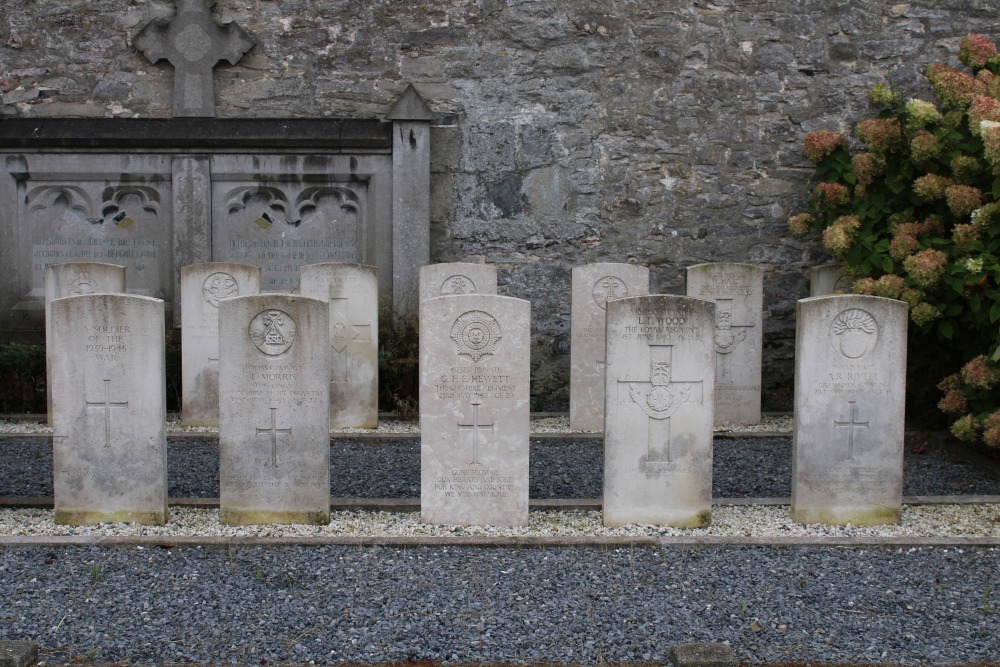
{"type": "Point", "coordinates": [18, 654]}
{"type": "Point", "coordinates": [702, 655]}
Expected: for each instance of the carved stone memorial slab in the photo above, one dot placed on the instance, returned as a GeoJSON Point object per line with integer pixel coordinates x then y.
{"type": "Point", "coordinates": [658, 415]}
{"type": "Point", "coordinates": [593, 286]}
{"type": "Point", "coordinates": [352, 292]}
{"type": "Point", "coordinates": [274, 410]}
{"type": "Point", "coordinates": [457, 278]}
{"type": "Point", "coordinates": [474, 400]}
{"type": "Point", "coordinates": [828, 279]}
{"type": "Point", "coordinates": [738, 293]}
{"type": "Point", "coordinates": [203, 287]}
{"type": "Point", "coordinates": [155, 195]}
{"type": "Point", "coordinates": [109, 409]}
{"type": "Point", "coordinates": [74, 279]}
{"type": "Point", "coordinates": [850, 384]}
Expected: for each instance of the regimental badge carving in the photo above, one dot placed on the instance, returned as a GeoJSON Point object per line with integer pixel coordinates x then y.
{"type": "Point", "coordinates": [607, 288]}
{"type": "Point", "coordinates": [476, 334]}
{"type": "Point", "coordinates": [457, 285]}
{"type": "Point", "coordinates": [727, 337]}
{"type": "Point", "coordinates": [854, 333]}
{"type": "Point", "coordinates": [219, 286]}
{"type": "Point", "coordinates": [273, 332]}
{"type": "Point", "coordinates": [82, 284]}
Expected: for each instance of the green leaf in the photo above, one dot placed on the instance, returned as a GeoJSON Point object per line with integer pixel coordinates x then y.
{"type": "Point", "coordinates": [995, 312]}
{"type": "Point", "coordinates": [945, 329]}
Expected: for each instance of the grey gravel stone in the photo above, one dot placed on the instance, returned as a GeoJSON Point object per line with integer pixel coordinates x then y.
{"type": "Point", "coordinates": [260, 605]}
{"type": "Point", "coordinates": [744, 467]}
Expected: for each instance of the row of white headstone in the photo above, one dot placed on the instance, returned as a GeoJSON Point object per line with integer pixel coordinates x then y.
{"type": "Point", "coordinates": [352, 292]}
{"type": "Point", "coordinates": [106, 352]}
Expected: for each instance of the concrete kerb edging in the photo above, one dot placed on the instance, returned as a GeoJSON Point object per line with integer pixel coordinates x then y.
{"type": "Point", "coordinates": [505, 542]}
{"type": "Point", "coordinates": [18, 653]}
{"type": "Point", "coordinates": [404, 505]}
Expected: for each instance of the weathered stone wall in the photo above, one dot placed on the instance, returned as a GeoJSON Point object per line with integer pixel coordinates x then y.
{"type": "Point", "coordinates": [660, 132]}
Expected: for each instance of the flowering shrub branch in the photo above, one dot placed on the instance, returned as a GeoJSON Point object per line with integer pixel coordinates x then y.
{"type": "Point", "coordinates": [916, 216]}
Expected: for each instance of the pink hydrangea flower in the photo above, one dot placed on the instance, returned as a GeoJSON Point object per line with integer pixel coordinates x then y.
{"type": "Point", "coordinates": [975, 51]}
{"type": "Point", "coordinates": [950, 382]}
{"type": "Point", "coordinates": [926, 267]}
{"type": "Point", "coordinates": [954, 403]}
{"type": "Point", "coordinates": [956, 89]}
{"type": "Point", "coordinates": [990, 132]}
{"type": "Point", "coordinates": [882, 96]}
{"type": "Point", "coordinates": [983, 107]}
{"type": "Point", "coordinates": [921, 113]}
{"type": "Point", "coordinates": [925, 147]}
{"type": "Point", "coordinates": [990, 80]}
{"type": "Point", "coordinates": [890, 286]}
{"type": "Point", "coordinates": [865, 286]}
{"type": "Point", "coordinates": [833, 194]}
{"type": "Point", "coordinates": [801, 224]}
{"type": "Point", "coordinates": [912, 297]}
{"type": "Point", "coordinates": [991, 432]}
{"type": "Point", "coordinates": [880, 135]}
{"type": "Point", "coordinates": [963, 199]}
{"type": "Point", "coordinates": [987, 216]}
{"type": "Point", "coordinates": [818, 145]}
{"type": "Point", "coordinates": [931, 186]}
{"type": "Point", "coordinates": [979, 373]}
{"type": "Point", "coordinates": [965, 428]}
{"type": "Point", "coordinates": [903, 245]}
{"type": "Point", "coordinates": [867, 167]}
{"type": "Point", "coordinates": [966, 168]}
{"type": "Point", "coordinates": [965, 238]}
{"type": "Point", "coordinates": [839, 236]}
{"type": "Point", "coordinates": [924, 313]}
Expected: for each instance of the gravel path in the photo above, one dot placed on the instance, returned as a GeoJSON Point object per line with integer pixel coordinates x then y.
{"type": "Point", "coordinates": [559, 469]}
{"type": "Point", "coordinates": [582, 605]}
{"type": "Point", "coordinates": [259, 605]}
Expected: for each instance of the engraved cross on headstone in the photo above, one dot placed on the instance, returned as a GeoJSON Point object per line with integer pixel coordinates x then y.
{"type": "Point", "coordinates": [659, 398]}
{"type": "Point", "coordinates": [107, 404]}
{"type": "Point", "coordinates": [274, 432]}
{"type": "Point", "coordinates": [475, 427]}
{"type": "Point", "coordinates": [728, 337]}
{"type": "Point", "coordinates": [342, 331]}
{"type": "Point", "coordinates": [851, 425]}
{"type": "Point", "coordinates": [194, 44]}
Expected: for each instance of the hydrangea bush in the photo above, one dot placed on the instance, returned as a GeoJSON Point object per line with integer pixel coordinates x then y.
{"type": "Point", "coordinates": [916, 216]}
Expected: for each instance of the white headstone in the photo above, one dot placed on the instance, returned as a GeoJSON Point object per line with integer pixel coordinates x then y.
{"type": "Point", "coordinates": [828, 279]}
{"type": "Point", "coordinates": [74, 279]}
{"type": "Point", "coordinates": [850, 386]}
{"type": "Point", "coordinates": [274, 410]}
{"type": "Point", "coordinates": [457, 278]}
{"type": "Point", "coordinates": [738, 293]}
{"type": "Point", "coordinates": [109, 409]}
{"type": "Point", "coordinates": [593, 286]}
{"type": "Point", "coordinates": [474, 402]}
{"type": "Point", "coordinates": [658, 414]}
{"type": "Point", "coordinates": [352, 291]}
{"type": "Point", "coordinates": [203, 286]}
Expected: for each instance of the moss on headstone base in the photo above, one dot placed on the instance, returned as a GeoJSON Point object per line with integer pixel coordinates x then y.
{"type": "Point", "coordinates": [93, 518]}
{"type": "Point", "coordinates": [834, 516]}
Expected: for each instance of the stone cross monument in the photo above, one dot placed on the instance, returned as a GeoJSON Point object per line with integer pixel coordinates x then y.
{"type": "Point", "coordinates": [194, 43]}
